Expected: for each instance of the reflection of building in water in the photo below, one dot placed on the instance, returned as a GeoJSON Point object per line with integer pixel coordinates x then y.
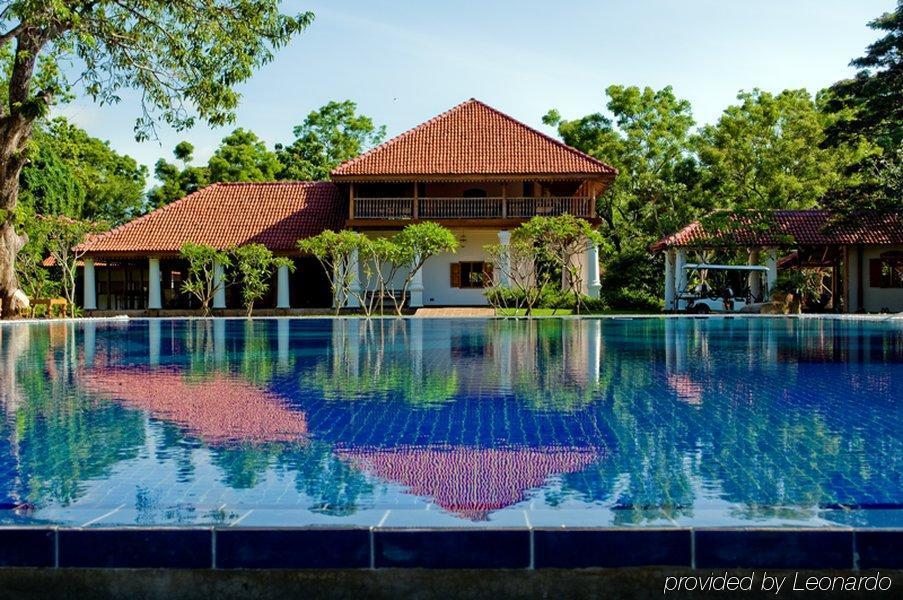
{"type": "Point", "coordinates": [470, 482]}
{"type": "Point", "coordinates": [218, 407]}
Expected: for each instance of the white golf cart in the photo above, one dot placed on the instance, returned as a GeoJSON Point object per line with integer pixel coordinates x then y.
{"type": "Point", "coordinates": [721, 288]}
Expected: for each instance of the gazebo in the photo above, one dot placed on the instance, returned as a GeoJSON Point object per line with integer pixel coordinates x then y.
{"type": "Point", "coordinates": [864, 251]}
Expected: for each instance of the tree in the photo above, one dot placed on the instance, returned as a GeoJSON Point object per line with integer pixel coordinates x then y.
{"type": "Point", "coordinates": [254, 266]}
{"type": "Point", "coordinates": [74, 174]}
{"type": "Point", "coordinates": [561, 241]}
{"type": "Point", "coordinates": [380, 259]}
{"type": "Point", "coordinates": [874, 97]}
{"type": "Point", "coordinates": [61, 237]}
{"type": "Point", "coordinates": [328, 137]}
{"type": "Point", "coordinates": [334, 250]}
{"type": "Point", "coordinates": [765, 153]}
{"type": "Point", "coordinates": [242, 156]}
{"type": "Point", "coordinates": [417, 243]}
{"type": "Point", "coordinates": [184, 58]}
{"type": "Point", "coordinates": [516, 263]}
{"type": "Point", "coordinates": [177, 182]}
{"type": "Point", "coordinates": [202, 280]}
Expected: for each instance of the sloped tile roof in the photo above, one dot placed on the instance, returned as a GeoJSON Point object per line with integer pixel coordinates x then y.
{"type": "Point", "coordinates": [793, 228]}
{"type": "Point", "coordinates": [472, 139]}
{"type": "Point", "coordinates": [229, 214]}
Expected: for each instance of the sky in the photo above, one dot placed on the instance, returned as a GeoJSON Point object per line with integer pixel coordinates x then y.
{"type": "Point", "coordinates": [403, 62]}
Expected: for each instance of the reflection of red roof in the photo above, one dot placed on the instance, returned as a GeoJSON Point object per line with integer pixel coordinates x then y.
{"type": "Point", "coordinates": [470, 482]}
{"type": "Point", "coordinates": [685, 388]}
{"type": "Point", "coordinates": [217, 408]}
{"type": "Point", "coordinates": [472, 139]}
{"type": "Point", "coordinates": [230, 214]}
{"type": "Point", "coordinates": [793, 227]}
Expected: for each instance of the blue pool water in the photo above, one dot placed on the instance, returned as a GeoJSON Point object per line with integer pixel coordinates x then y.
{"type": "Point", "coordinates": [434, 422]}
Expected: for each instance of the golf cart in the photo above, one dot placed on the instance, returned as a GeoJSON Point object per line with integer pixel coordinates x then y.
{"type": "Point", "coordinates": [721, 288]}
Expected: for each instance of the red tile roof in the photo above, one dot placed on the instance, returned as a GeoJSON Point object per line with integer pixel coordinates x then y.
{"type": "Point", "coordinates": [472, 139]}
{"type": "Point", "coordinates": [226, 214]}
{"type": "Point", "coordinates": [792, 228]}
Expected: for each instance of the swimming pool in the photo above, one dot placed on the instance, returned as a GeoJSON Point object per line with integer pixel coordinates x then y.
{"type": "Point", "coordinates": [653, 422]}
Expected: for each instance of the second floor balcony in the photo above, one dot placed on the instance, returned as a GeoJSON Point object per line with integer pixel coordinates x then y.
{"type": "Point", "coordinates": [462, 208]}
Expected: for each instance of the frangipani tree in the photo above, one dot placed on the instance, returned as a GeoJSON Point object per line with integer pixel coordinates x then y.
{"type": "Point", "coordinates": [254, 266]}
{"type": "Point", "coordinates": [183, 57]}
{"type": "Point", "coordinates": [335, 250]}
{"type": "Point", "coordinates": [202, 280]}
{"type": "Point", "coordinates": [417, 243]}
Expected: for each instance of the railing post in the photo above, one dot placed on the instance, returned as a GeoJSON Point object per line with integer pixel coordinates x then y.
{"type": "Point", "coordinates": [351, 201]}
{"type": "Point", "coordinates": [505, 200]}
{"type": "Point", "coordinates": [415, 212]}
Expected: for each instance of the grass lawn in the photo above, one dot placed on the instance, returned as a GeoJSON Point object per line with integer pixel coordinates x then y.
{"type": "Point", "coordinates": [550, 312]}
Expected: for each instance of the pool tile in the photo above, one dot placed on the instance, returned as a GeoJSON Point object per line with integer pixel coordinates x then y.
{"type": "Point", "coordinates": [880, 549]}
{"type": "Point", "coordinates": [453, 549]}
{"type": "Point", "coordinates": [579, 548]}
{"type": "Point", "coordinates": [292, 548]}
{"type": "Point", "coordinates": [136, 548]}
{"type": "Point", "coordinates": [774, 548]}
{"type": "Point", "coordinates": [26, 547]}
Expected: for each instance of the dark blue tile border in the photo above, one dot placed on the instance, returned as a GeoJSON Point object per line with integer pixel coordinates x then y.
{"type": "Point", "coordinates": [355, 548]}
{"type": "Point", "coordinates": [21, 547]}
{"type": "Point", "coordinates": [579, 548]}
{"type": "Point", "coordinates": [880, 549]}
{"type": "Point", "coordinates": [774, 548]}
{"type": "Point", "coordinates": [292, 548]}
{"type": "Point", "coordinates": [452, 549]}
{"type": "Point", "coordinates": [136, 548]}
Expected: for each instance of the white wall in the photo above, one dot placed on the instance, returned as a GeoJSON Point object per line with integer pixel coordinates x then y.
{"type": "Point", "coordinates": [876, 299]}
{"type": "Point", "coordinates": [437, 290]}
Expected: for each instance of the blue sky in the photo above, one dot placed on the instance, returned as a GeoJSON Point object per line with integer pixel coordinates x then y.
{"type": "Point", "coordinates": [405, 61]}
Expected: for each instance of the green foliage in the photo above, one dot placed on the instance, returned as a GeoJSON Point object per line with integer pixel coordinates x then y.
{"type": "Point", "coordinates": [328, 137]}
{"type": "Point", "coordinates": [242, 156]}
{"type": "Point", "coordinates": [334, 251]}
{"type": "Point", "coordinates": [200, 281]}
{"type": "Point", "coordinates": [872, 101]}
{"type": "Point", "coordinates": [766, 153]}
{"type": "Point", "coordinates": [417, 243]}
{"type": "Point", "coordinates": [60, 237]}
{"type": "Point", "coordinates": [254, 266]}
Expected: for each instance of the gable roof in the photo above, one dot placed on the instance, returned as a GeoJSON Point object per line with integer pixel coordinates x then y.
{"type": "Point", "coordinates": [229, 214]}
{"type": "Point", "coordinates": [472, 139]}
{"type": "Point", "coordinates": [793, 228]}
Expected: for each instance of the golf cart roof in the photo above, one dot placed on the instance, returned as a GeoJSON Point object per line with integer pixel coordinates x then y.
{"type": "Point", "coordinates": [726, 267]}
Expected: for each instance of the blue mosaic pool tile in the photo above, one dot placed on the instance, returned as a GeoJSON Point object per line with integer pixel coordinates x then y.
{"type": "Point", "coordinates": [292, 548]}
{"type": "Point", "coordinates": [136, 548]}
{"type": "Point", "coordinates": [774, 548]}
{"type": "Point", "coordinates": [26, 547]}
{"type": "Point", "coordinates": [452, 549]}
{"type": "Point", "coordinates": [580, 548]}
{"type": "Point", "coordinates": [880, 549]}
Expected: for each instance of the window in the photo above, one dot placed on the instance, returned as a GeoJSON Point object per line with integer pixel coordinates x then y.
{"type": "Point", "coordinates": [471, 274]}
{"type": "Point", "coordinates": [887, 271]}
{"type": "Point", "coordinates": [474, 193]}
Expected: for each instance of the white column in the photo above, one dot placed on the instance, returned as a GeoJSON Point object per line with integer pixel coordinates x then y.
{"type": "Point", "coordinates": [771, 263]}
{"type": "Point", "coordinates": [680, 276]}
{"type": "Point", "coordinates": [282, 291]}
{"type": "Point", "coordinates": [219, 282]}
{"type": "Point", "coordinates": [504, 268]}
{"type": "Point", "coordinates": [669, 280]}
{"type": "Point", "coordinates": [416, 289]}
{"type": "Point", "coordinates": [594, 284]}
{"type": "Point", "coordinates": [154, 299]}
{"type": "Point", "coordinates": [755, 277]}
{"type": "Point", "coordinates": [90, 291]}
{"type": "Point", "coordinates": [354, 286]}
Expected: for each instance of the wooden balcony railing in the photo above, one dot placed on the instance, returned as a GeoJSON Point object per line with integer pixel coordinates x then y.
{"type": "Point", "coordinates": [471, 208]}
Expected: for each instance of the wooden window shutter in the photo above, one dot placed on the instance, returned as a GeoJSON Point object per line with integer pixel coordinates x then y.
{"type": "Point", "coordinates": [455, 275]}
{"type": "Point", "coordinates": [875, 265]}
{"type": "Point", "coordinates": [487, 274]}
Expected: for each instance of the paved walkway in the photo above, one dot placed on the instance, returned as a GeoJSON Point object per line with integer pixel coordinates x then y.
{"type": "Point", "coordinates": [455, 312]}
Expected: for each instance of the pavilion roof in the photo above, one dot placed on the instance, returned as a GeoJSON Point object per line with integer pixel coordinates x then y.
{"type": "Point", "coordinates": [788, 228]}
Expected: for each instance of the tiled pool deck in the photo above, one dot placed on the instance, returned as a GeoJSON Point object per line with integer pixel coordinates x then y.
{"type": "Point", "coordinates": [377, 548]}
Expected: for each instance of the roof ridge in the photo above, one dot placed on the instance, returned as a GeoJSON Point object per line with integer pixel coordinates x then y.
{"type": "Point", "coordinates": [273, 183]}
{"type": "Point", "coordinates": [403, 135]}
{"type": "Point", "coordinates": [546, 136]}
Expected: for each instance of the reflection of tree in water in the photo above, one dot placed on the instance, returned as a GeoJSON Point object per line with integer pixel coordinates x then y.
{"type": "Point", "coordinates": [59, 435]}
{"type": "Point", "coordinates": [759, 436]}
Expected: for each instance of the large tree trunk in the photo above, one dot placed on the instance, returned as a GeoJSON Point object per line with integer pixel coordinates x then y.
{"type": "Point", "coordinates": [15, 131]}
